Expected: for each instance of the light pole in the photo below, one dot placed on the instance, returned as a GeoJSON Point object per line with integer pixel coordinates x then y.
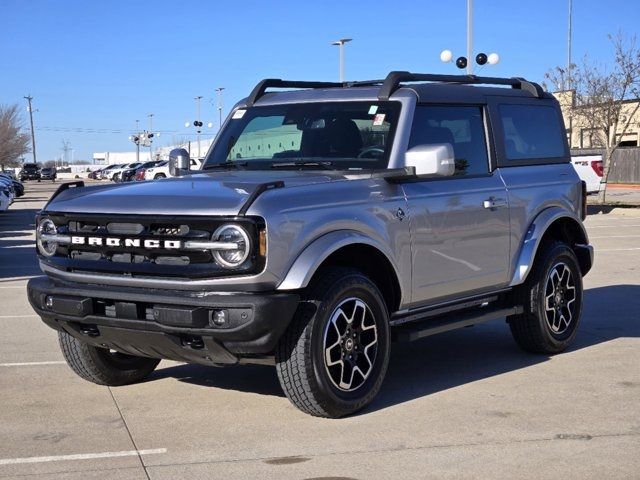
{"type": "Point", "coordinates": [465, 62]}
{"type": "Point", "coordinates": [340, 44]}
{"type": "Point", "coordinates": [33, 135]}
{"type": "Point", "coordinates": [150, 136]}
{"type": "Point", "coordinates": [135, 138]}
{"type": "Point", "coordinates": [219, 92]}
{"type": "Point", "coordinates": [469, 36]}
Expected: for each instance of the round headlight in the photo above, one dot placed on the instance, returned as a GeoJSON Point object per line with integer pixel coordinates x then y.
{"type": "Point", "coordinates": [46, 247]}
{"type": "Point", "coordinates": [232, 234]}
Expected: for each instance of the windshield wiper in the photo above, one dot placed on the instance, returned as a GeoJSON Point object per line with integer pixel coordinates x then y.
{"type": "Point", "coordinates": [304, 163]}
{"type": "Point", "coordinates": [227, 164]}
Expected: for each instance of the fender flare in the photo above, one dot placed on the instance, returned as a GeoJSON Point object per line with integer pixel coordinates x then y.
{"type": "Point", "coordinates": [536, 231]}
{"type": "Point", "coordinates": [309, 260]}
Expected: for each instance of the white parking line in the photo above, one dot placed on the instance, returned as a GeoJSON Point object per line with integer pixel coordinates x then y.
{"type": "Point", "coordinates": [81, 456]}
{"type": "Point", "coordinates": [616, 236]}
{"type": "Point", "coordinates": [611, 226]}
{"type": "Point", "coordinates": [598, 250]}
{"type": "Point", "coordinates": [18, 316]}
{"type": "Point", "coordinates": [32, 364]}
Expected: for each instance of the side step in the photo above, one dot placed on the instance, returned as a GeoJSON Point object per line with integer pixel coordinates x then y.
{"type": "Point", "coordinates": [409, 333]}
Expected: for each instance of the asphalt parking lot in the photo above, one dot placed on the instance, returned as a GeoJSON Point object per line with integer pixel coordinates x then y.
{"type": "Point", "coordinates": [465, 404]}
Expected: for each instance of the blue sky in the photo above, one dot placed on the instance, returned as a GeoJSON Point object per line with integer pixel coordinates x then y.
{"type": "Point", "coordinates": [102, 65]}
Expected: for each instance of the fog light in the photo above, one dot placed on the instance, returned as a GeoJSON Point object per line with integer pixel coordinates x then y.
{"type": "Point", "coordinates": [48, 302]}
{"type": "Point", "coordinates": [219, 317]}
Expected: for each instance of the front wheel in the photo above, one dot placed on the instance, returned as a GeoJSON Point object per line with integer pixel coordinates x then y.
{"type": "Point", "coordinates": [104, 366]}
{"type": "Point", "coordinates": [332, 359]}
{"type": "Point", "coordinates": [552, 300]}
{"type": "Point", "coordinates": [159, 176]}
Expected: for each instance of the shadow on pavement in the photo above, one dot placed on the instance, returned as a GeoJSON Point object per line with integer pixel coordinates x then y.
{"type": "Point", "coordinates": [448, 360]}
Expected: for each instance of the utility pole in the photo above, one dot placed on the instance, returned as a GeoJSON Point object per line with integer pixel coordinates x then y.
{"type": "Point", "coordinates": [65, 148]}
{"type": "Point", "coordinates": [33, 135]}
{"type": "Point", "coordinates": [219, 92]}
{"type": "Point", "coordinates": [469, 37]}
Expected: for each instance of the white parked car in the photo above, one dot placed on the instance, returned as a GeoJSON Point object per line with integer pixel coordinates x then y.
{"type": "Point", "coordinates": [106, 173]}
{"type": "Point", "coordinates": [590, 170]}
{"type": "Point", "coordinates": [115, 172]}
{"type": "Point", "coordinates": [162, 170]}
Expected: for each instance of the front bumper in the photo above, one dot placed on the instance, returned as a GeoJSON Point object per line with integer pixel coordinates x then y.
{"type": "Point", "coordinates": [168, 324]}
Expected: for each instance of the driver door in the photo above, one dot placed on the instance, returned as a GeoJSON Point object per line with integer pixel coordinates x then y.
{"type": "Point", "coordinates": [459, 224]}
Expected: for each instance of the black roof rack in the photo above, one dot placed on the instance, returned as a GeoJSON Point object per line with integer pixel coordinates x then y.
{"type": "Point", "coordinates": [392, 83]}
{"type": "Point", "coordinates": [262, 86]}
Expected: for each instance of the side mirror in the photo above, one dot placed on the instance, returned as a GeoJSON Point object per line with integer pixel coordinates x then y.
{"type": "Point", "coordinates": [179, 162]}
{"type": "Point", "coordinates": [434, 160]}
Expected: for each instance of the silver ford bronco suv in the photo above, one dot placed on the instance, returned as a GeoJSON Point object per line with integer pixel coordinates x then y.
{"type": "Point", "coordinates": [326, 221]}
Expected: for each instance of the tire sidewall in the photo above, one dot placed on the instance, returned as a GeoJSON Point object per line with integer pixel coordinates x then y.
{"type": "Point", "coordinates": [559, 253]}
{"type": "Point", "coordinates": [358, 286]}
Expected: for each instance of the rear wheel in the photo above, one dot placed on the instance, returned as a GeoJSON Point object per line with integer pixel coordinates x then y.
{"type": "Point", "coordinates": [552, 300]}
{"type": "Point", "coordinates": [158, 176]}
{"type": "Point", "coordinates": [104, 366]}
{"type": "Point", "coordinates": [332, 359]}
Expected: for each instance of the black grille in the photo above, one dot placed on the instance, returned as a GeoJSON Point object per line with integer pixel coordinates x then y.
{"type": "Point", "coordinates": [141, 261]}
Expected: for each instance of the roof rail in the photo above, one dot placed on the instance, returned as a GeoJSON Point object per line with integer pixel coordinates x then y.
{"type": "Point", "coordinates": [262, 86]}
{"type": "Point", "coordinates": [392, 82]}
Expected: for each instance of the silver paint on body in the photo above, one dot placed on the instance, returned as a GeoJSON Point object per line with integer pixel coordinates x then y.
{"type": "Point", "coordinates": [456, 236]}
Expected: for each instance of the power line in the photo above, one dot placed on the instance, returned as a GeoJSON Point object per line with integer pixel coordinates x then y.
{"type": "Point", "coordinates": [93, 130]}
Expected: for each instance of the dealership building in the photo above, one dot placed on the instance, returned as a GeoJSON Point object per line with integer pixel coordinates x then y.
{"type": "Point", "coordinates": [162, 153]}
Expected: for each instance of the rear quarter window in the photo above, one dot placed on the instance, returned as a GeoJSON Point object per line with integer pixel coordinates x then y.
{"type": "Point", "coordinates": [532, 134]}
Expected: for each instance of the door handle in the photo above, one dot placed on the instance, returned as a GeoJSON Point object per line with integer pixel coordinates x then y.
{"type": "Point", "coordinates": [493, 203]}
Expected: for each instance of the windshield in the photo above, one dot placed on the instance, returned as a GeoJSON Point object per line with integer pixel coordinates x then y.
{"type": "Point", "coordinates": [340, 135]}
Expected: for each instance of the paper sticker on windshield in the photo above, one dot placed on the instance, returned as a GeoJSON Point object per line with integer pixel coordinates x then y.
{"type": "Point", "coordinates": [378, 119]}
{"type": "Point", "coordinates": [373, 109]}
{"type": "Point", "coordinates": [238, 114]}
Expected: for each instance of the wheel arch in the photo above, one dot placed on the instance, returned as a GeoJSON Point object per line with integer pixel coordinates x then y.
{"type": "Point", "coordinates": [553, 223]}
{"type": "Point", "coordinates": [349, 249]}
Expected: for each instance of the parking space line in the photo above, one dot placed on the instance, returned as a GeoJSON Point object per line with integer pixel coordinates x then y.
{"type": "Point", "coordinates": [612, 226]}
{"type": "Point", "coordinates": [615, 236]}
{"type": "Point", "coordinates": [81, 456]}
{"type": "Point", "coordinates": [32, 364]}
{"type": "Point", "coordinates": [18, 316]}
{"type": "Point", "coordinates": [598, 250]}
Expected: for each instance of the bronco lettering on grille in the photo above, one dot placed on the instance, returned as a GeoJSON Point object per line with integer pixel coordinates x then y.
{"type": "Point", "coordinates": [126, 242]}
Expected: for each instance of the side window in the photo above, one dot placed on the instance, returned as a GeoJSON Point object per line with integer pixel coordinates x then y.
{"type": "Point", "coordinates": [462, 127]}
{"type": "Point", "coordinates": [531, 132]}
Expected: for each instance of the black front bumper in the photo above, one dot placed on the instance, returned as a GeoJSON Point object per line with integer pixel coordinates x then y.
{"type": "Point", "coordinates": [166, 324]}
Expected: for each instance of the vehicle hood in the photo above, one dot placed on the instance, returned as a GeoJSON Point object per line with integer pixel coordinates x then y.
{"type": "Point", "coordinates": [219, 193]}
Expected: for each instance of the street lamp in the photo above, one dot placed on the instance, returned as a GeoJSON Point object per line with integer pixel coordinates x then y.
{"type": "Point", "coordinates": [465, 62]}
{"type": "Point", "coordinates": [219, 92]}
{"type": "Point", "coordinates": [197, 123]}
{"type": "Point", "coordinates": [340, 44]}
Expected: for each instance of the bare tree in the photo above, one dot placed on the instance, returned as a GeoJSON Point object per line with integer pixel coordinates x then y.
{"type": "Point", "coordinates": [13, 142]}
{"type": "Point", "coordinates": [604, 101]}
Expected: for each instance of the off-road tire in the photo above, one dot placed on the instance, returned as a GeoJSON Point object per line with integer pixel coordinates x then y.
{"type": "Point", "coordinates": [99, 365]}
{"type": "Point", "coordinates": [531, 330]}
{"type": "Point", "coordinates": [300, 354]}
